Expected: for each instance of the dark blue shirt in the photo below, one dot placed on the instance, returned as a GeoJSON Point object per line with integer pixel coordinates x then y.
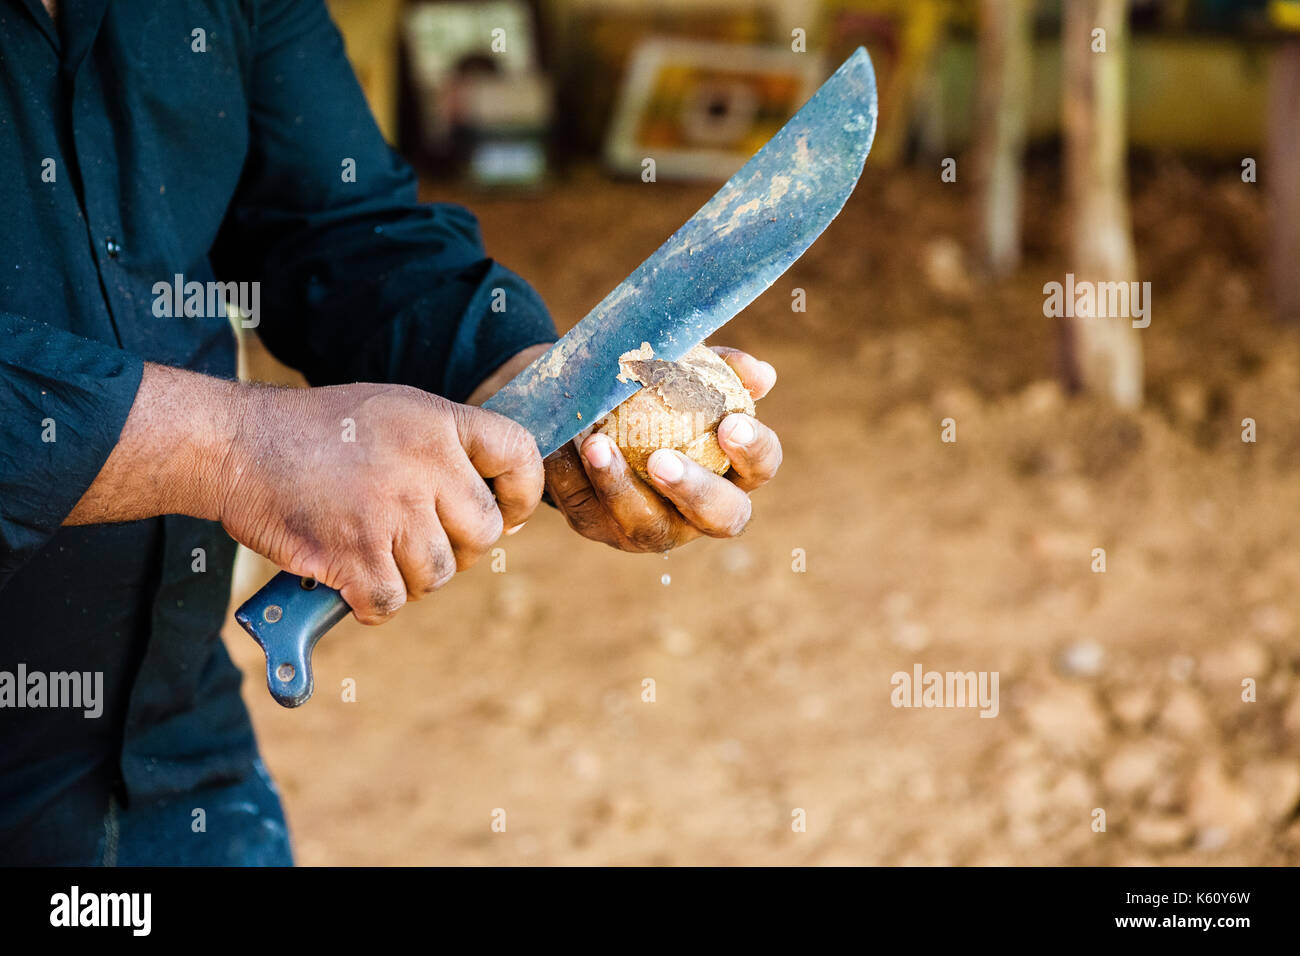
{"type": "Point", "coordinates": [137, 149]}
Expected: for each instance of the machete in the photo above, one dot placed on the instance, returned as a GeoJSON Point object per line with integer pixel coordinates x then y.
{"type": "Point", "coordinates": [739, 243]}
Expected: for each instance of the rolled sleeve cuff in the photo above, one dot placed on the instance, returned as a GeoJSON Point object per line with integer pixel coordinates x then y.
{"type": "Point", "coordinates": [504, 317]}
{"type": "Point", "coordinates": [64, 400]}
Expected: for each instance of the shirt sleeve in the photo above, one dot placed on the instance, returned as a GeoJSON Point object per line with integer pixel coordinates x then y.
{"type": "Point", "coordinates": [358, 280]}
{"type": "Point", "coordinates": [63, 402]}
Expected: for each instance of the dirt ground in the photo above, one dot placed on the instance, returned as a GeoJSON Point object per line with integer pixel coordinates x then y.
{"type": "Point", "coordinates": [1120, 691]}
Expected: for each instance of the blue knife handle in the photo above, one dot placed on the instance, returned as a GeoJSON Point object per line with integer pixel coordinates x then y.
{"type": "Point", "coordinates": [287, 617]}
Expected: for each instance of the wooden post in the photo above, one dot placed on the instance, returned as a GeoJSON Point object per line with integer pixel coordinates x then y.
{"type": "Point", "coordinates": [1103, 355]}
{"type": "Point", "coordinates": [1281, 174]}
{"type": "Point", "coordinates": [1002, 108]}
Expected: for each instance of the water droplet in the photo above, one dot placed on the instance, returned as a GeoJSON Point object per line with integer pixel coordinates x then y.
{"type": "Point", "coordinates": [666, 580]}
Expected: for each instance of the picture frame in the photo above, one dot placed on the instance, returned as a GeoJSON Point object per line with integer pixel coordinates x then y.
{"type": "Point", "coordinates": [701, 109]}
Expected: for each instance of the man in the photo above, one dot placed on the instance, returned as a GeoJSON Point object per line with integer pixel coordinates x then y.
{"type": "Point", "coordinates": [211, 141]}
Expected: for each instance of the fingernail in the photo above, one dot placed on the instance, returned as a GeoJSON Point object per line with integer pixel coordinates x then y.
{"type": "Point", "coordinates": [667, 466]}
{"type": "Point", "coordinates": [740, 431]}
{"type": "Point", "coordinates": [771, 368]}
{"type": "Point", "coordinates": [516, 528]}
{"type": "Point", "coordinates": [598, 452]}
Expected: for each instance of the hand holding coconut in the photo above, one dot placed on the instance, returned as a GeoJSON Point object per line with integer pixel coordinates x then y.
{"type": "Point", "coordinates": [650, 476]}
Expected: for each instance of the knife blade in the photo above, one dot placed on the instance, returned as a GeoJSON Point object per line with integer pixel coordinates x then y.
{"type": "Point", "coordinates": [740, 242]}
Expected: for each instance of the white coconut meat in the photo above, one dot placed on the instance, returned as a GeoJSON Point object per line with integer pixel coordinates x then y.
{"type": "Point", "coordinates": [680, 406]}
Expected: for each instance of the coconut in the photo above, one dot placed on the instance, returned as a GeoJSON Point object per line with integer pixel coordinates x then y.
{"type": "Point", "coordinates": [679, 407]}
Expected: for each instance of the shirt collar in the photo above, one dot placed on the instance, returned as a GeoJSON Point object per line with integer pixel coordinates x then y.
{"type": "Point", "coordinates": [79, 22]}
{"type": "Point", "coordinates": [75, 33]}
{"type": "Point", "coordinates": [36, 11]}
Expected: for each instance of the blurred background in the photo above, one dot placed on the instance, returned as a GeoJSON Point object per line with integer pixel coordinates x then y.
{"type": "Point", "coordinates": [1103, 515]}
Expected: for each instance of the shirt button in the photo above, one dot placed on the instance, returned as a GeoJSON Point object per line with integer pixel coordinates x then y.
{"type": "Point", "coordinates": [112, 247]}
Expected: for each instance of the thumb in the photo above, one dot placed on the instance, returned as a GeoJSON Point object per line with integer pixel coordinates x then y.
{"type": "Point", "coordinates": [503, 452]}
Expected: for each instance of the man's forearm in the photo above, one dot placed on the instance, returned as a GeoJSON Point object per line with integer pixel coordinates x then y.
{"type": "Point", "coordinates": [168, 459]}
{"type": "Point", "coordinates": [170, 456]}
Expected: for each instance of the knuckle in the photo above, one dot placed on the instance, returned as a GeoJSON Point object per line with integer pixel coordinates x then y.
{"type": "Point", "coordinates": [771, 454]}
{"type": "Point", "coordinates": [336, 574]}
{"type": "Point", "coordinates": [379, 602]}
{"type": "Point", "coordinates": [486, 500]}
{"type": "Point", "coordinates": [759, 463]}
{"type": "Point", "coordinates": [387, 599]}
{"type": "Point", "coordinates": [443, 578]}
{"type": "Point", "coordinates": [437, 402]}
{"type": "Point", "coordinates": [520, 446]}
{"type": "Point", "coordinates": [696, 492]}
{"type": "Point", "coordinates": [435, 581]}
{"type": "Point", "coordinates": [654, 535]}
{"type": "Point", "coordinates": [522, 511]}
{"type": "Point", "coordinates": [465, 422]}
{"type": "Point", "coordinates": [575, 501]}
{"type": "Point", "coordinates": [488, 524]}
{"type": "Point", "coordinates": [488, 528]}
{"type": "Point", "coordinates": [476, 538]}
{"type": "Point", "coordinates": [587, 521]}
{"type": "Point", "coordinates": [436, 572]}
{"type": "Point", "coordinates": [465, 416]}
{"type": "Point", "coordinates": [444, 565]}
{"type": "Point", "coordinates": [738, 520]}
{"type": "Point", "coordinates": [370, 534]}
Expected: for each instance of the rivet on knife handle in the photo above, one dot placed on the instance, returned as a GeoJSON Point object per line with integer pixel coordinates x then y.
{"type": "Point", "coordinates": [286, 618]}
